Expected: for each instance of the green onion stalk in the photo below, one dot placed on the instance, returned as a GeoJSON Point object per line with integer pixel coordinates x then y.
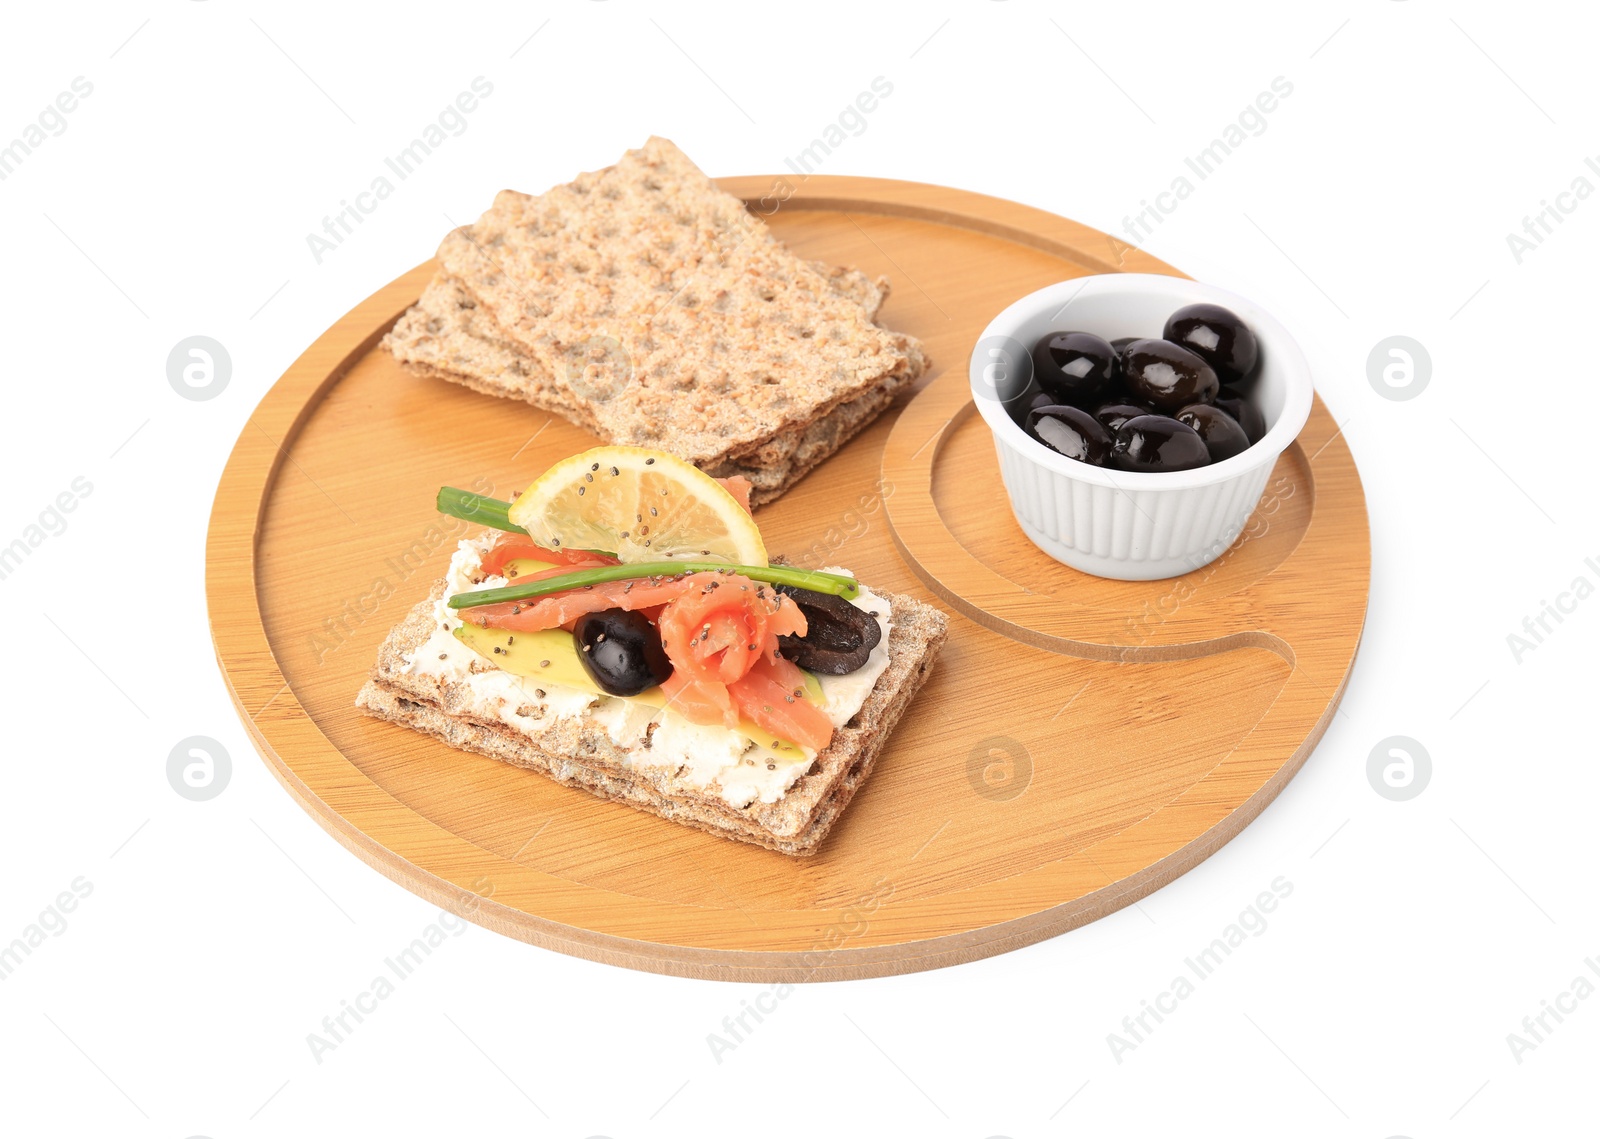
{"type": "Point", "coordinates": [492, 512]}
{"type": "Point", "coordinates": [474, 507]}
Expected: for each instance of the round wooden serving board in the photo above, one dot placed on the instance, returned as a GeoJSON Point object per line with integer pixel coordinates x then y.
{"type": "Point", "coordinates": [1080, 743]}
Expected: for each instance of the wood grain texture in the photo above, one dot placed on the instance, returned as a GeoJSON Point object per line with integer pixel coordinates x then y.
{"type": "Point", "coordinates": [1126, 771]}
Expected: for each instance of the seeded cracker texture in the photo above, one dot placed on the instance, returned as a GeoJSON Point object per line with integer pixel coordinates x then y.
{"type": "Point", "coordinates": [579, 753]}
{"type": "Point", "coordinates": [651, 308]}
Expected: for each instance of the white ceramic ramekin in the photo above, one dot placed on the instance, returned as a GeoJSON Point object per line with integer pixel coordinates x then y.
{"type": "Point", "coordinates": [1136, 525]}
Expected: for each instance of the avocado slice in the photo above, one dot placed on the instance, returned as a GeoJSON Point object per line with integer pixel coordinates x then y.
{"type": "Point", "coordinates": [550, 654]}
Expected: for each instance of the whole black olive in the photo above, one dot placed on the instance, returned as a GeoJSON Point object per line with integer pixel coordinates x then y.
{"type": "Point", "coordinates": [1167, 376]}
{"type": "Point", "coordinates": [1223, 436]}
{"type": "Point", "coordinates": [839, 636]}
{"type": "Point", "coordinates": [1071, 431]}
{"type": "Point", "coordinates": [1113, 415]}
{"type": "Point", "coordinates": [1218, 337]}
{"type": "Point", "coordinates": [1075, 367]}
{"type": "Point", "coordinates": [1158, 443]}
{"type": "Point", "coordinates": [1122, 342]}
{"type": "Point", "coordinates": [1041, 399]}
{"type": "Point", "coordinates": [621, 651]}
{"type": "Point", "coordinates": [1029, 402]}
{"type": "Point", "coordinates": [1248, 414]}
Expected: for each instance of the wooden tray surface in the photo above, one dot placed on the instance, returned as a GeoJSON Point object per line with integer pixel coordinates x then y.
{"type": "Point", "coordinates": [1080, 744]}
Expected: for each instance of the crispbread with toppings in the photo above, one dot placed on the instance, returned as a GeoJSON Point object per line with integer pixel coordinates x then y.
{"type": "Point", "coordinates": [579, 752]}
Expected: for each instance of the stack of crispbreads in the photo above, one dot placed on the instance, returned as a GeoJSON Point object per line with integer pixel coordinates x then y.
{"type": "Point", "coordinates": [650, 307]}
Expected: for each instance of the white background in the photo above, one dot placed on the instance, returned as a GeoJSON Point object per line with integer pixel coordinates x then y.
{"type": "Point", "coordinates": [218, 934]}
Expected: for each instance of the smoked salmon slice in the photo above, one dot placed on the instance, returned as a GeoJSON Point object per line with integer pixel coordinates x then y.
{"type": "Point", "coordinates": [772, 694]}
{"type": "Point", "coordinates": [512, 547]}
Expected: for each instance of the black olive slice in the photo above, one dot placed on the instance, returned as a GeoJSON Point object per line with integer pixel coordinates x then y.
{"type": "Point", "coordinates": [839, 637]}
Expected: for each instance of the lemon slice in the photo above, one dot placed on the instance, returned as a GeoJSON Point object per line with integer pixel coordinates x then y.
{"type": "Point", "coordinates": [639, 504]}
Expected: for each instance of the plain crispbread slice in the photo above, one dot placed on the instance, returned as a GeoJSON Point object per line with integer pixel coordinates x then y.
{"type": "Point", "coordinates": [448, 332]}
{"type": "Point", "coordinates": [730, 336]}
{"type": "Point", "coordinates": [446, 335]}
{"type": "Point", "coordinates": [581, 754]}
{"type": "Point", "coordinates": [648, 306]}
